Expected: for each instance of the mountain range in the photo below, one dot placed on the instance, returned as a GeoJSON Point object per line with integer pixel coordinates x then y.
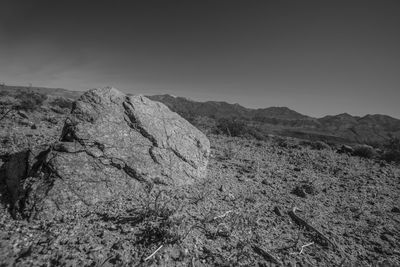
{"type": "Point", "coordinates": [341, 128]}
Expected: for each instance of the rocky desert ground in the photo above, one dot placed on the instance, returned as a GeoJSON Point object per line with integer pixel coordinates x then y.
{"type": "Point", "coordinates": [273, 202]}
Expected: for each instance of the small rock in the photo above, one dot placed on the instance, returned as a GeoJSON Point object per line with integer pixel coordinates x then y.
{"type": "Point", "coordinates": [265, 182]}
{"type": "Point", "coordinates": [299, 191]}
{"type": "Point", "coordinates": [26, 122]}
{"type": "Point", "coordinates": [264, 192]}
{"type": "Point", "coordinates": [309, 189]}
{"type": "Point", "coordinates": [250, 199]}
{"type": "Point", "coordinates": [395, 210]}
{"type": "Point", "coordinates": [224, 231]}
{"type": "Point", "coordinates": [252, 176]}
{"type": "Point", "coordinates": [112, 227]}
{"type": "Point", "coordinates": [303, 189]}
{"type": "Point", "coordinates": [389, 238]}
{"type": "Point", "coordinates": [175, 253]}
{"type": "Point", "coordinates": [277, 211]}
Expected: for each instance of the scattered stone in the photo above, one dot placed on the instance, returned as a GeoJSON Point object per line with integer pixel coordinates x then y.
{"type": "Point", "coordinates": [264, 192]}
{"type": "Point", "coordinates": [250, 199]}
{"type": "Point", "coordinates": [26, 122]}
{"type": "Point", "coordinates": [266, 182]}
{"type": "Point", "coordinates": [299, 191]}
{"type": "Point", "coordinates": [175, 253]}
{"type": "Point", "coordinates": [277, 211]}
{"type": "Point", "coordinates": [304, 189]}
{"type": "Point", "coordinates": [389, 238]}
{"type": "Point", "coordinates": [395, 210]}
{"type": "Point", "coordinates": [309, 189]}
{"type": "Point", "coordinates": [251, 176]}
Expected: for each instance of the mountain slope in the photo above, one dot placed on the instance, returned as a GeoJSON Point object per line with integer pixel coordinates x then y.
{"type": "Point", "coordinates": [278, 120]}
{"type": "Point", "coordinates": [211, 109]}
{"type": "Point", "coordinates": [282, 120]}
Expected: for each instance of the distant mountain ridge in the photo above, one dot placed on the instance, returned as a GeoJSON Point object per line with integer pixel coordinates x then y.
{"type": "Point", "coordinates": [56, 92]}
{"type": "Point", "coordinates": [282, 120]}
{"type": "Point", "coordinates": [277, 120]}
{"type": "Point", "coordinates": [219, 109]}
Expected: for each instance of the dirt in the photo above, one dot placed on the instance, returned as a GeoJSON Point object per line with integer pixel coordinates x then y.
{"type": "Point", "coordinates": [240, 215]}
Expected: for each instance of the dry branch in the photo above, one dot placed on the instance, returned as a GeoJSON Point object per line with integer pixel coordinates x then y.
{"type": "Point", "coordinates": [154, 253]}
{"type": "Point", "coordinates": [302, 222]}
{"type": "Point", "coordinates": [6, 113]}
{"type": "Point", "coordinates": [266, 255]}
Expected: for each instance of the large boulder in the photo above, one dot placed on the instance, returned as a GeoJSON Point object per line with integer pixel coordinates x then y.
{"type": "Point", "coordinates": [111, 144]}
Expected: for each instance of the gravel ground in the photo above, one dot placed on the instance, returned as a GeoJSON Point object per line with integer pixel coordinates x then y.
{"type": "Point", "coordinates": [241, 215]}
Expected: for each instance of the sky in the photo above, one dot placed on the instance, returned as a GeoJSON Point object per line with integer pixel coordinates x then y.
{"type": "Point", "coordinates": [316, 57]}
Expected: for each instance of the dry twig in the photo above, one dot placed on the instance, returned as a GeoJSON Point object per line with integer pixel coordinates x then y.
{"type": "Point", "coordinates": [154, 253]}
{"type": "Point", "coordinates": [266, 255]}
{"type": "Point", "coordinates": [6, 113]}
{"type": "Point", "coordinates": [223, 215]}
{"type": "Point", "coordinates": [302, 248]}
{"type": "Point", "coordinates": [302, 222]}
{"type": "Point", "coordinates": [107, 259]}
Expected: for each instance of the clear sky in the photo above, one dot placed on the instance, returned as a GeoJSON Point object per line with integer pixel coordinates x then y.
{"type": "Point", "coordinates": [316, 57]}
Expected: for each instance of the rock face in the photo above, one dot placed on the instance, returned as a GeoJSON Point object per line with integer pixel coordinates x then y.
{"type": "Point", "coordinates": [111, 144]}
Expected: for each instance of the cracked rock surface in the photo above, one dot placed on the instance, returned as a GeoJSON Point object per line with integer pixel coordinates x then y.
{"type": "Point", "coordinates": [111, 144]}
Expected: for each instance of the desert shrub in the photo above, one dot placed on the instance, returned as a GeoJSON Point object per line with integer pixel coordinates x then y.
{"type": "Point", "coordinates": [235, 127]}
{"type": "Point", "coordinates": [319, 145]}
{"type": "Point", "coordinates": [252, 132]}
{"type": "Point", "coordinates": [158, 219]}
{"type": "Point", "coordinates": [305, 143]}
{"type": "Point", "coordinates": [364, 151]}
{"type": "Point", "coordinates": [392, 150]}
{"type": "Point", "coordinates": [345, 149]}
{"type": "Point", "coordinates": [231, 126]}
{"type": "Point", "coordinates": [204, 124]}
{"type": "Point", "coordinates": [284, 142]}
{"type": "Point", "coordinates": [4, 93]}
{"type": "Point", "coordinates": [30, 101]}
{"type": "Point", "coordinates": [62, 103]}
{"type": "Point", "coordinates": [231, 149]}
